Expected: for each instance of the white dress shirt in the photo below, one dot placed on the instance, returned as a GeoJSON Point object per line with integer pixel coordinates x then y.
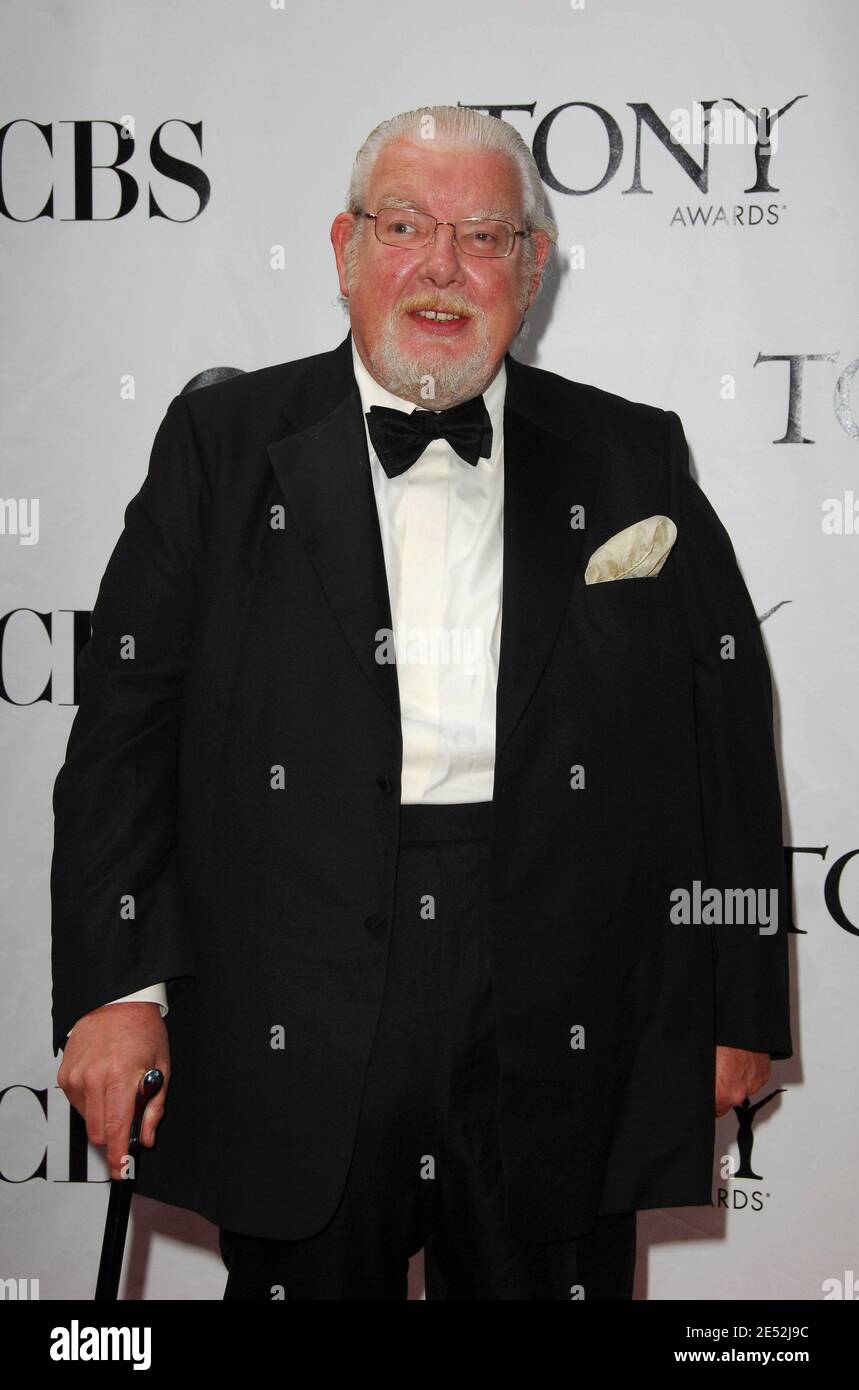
{"type": "Point", "coordinates": [441, 524]}
{"type": "Point", "coordinates": [442, 531]}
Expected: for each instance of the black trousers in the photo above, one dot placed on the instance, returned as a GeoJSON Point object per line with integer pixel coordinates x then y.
{"type": "Point", "coordinates": [426, 1168]}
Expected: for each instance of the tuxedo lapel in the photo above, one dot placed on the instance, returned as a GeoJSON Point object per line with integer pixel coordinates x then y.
{"type": "Point", "coordinates": [323, 469]}
{"type": "Point", "coordinates": [546, 473]}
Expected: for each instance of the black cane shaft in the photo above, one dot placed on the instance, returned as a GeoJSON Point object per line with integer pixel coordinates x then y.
{"type": "Point", "coordinates": [113, 1245]}
{"type": "Point", "coordinates": [119, 1201]}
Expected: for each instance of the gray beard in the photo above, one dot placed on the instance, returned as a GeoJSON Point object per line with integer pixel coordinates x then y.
{"type": "Point", "coordinates": [412, 376]}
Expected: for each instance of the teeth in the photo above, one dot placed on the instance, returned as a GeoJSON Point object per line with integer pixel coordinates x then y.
{"type": "Point", "coordinates": [434, 314]}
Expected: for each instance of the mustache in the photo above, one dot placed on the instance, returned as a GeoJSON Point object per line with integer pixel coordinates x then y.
{"type": "Point", "coordinates": [443, 304]}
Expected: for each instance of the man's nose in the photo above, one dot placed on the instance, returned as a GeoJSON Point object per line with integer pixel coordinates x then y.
{"type": "Point", "coordinates": [442, 257]}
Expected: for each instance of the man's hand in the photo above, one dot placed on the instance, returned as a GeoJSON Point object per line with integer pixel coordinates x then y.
{"type": "Point", "coordinates": [103, 1061]}
{"type": "Point", "coordinates": [738, 1075]}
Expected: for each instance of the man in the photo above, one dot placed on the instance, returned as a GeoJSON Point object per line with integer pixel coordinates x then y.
{"type": "Point", "coordinates": [396, 793]}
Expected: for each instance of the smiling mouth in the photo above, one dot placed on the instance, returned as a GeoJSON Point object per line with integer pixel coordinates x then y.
{"type": "Point", "coordinates": [439, 322]}
{"type": "Point", "coordinates": [436, 315]}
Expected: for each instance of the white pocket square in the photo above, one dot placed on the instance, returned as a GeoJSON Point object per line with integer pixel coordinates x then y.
{"type": "Point", "coordinates": [637, 552]}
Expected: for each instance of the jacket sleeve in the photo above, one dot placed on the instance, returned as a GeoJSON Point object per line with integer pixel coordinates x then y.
{"type": "Point", "coordinates": [117, 917]}
{"type": "Point", "coordinates": [737, 768]}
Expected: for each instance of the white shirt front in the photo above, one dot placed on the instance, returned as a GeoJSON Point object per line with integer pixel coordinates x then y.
{"type": "Point", "coordinates": [442, 534]}
{"type": "Point", "coordinates": [442, 527]}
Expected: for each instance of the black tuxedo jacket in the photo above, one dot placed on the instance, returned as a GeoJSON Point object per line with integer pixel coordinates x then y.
{"type": "Point", "coordinates": [250, 576]}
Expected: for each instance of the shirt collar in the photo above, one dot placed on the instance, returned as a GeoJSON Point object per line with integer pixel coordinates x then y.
{"type": "Point", "coordinates": [372, 393]}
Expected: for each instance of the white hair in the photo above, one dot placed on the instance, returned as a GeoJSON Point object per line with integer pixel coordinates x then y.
{"type": "Point", "coordinates": [457, 127]}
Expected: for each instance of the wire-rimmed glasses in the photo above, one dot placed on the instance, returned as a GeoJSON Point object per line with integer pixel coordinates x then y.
{"type": "Point", "coordinates": [412, 230]}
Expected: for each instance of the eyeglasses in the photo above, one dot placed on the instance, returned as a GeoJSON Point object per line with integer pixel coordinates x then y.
{"type": "Point", "coordinates": [476, 236]}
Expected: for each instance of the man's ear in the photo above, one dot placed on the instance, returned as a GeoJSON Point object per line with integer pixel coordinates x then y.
{"type": "Point", "coordinates": [543, 247]}
{"type": "Point", "coordinates": [341, 230]}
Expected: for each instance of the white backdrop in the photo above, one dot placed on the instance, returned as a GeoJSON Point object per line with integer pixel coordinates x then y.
{"type": "Point", "coordinates": [667, 296]}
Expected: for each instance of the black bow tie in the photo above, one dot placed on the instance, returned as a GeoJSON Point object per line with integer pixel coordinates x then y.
{"type": "Point", "coordinates": [400, 438]}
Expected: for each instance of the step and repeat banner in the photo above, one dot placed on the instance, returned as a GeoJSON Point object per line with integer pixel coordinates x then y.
{"type": "Point", "coordinates": [168, 177]}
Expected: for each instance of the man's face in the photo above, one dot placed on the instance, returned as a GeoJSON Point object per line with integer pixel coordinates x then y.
{"type": "Point", "coordinates": [387, 285]}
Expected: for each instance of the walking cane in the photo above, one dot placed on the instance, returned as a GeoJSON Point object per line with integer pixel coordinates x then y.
{"type": "Point", "coordinates": [121, 1191]}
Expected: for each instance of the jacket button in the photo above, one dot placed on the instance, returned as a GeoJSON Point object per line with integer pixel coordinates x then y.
{"type": "Point", "coordinates": [376, 923]}
{"type": "Point", "coordinates": [384, 783]}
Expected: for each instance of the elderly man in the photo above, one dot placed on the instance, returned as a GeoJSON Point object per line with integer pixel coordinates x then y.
{"type": "Point", "coordinates": [384, 781]}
